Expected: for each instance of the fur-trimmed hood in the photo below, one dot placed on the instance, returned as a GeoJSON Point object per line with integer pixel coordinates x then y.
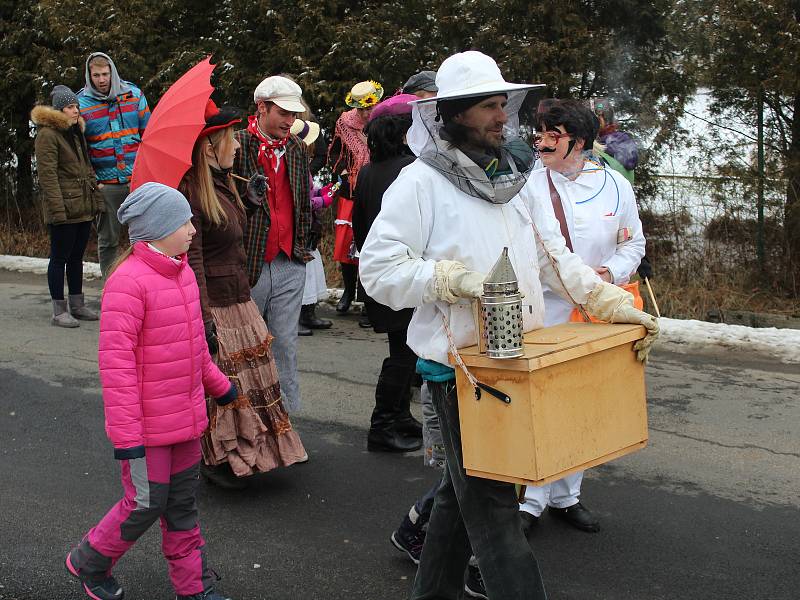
{"type": "Point", "coordinates": [47, 116]}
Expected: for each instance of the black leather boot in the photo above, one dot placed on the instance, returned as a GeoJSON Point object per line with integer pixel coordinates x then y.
{"type": "Point", "coordinates": [349, 276]}
{"type": "Point", "coordinates": [405, 422]}
{"type": "Point", "coordinates": [309, 319]}
{"type": "Point", "coordinates": [384, 435]}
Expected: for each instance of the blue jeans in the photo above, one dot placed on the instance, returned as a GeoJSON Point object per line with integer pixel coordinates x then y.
{"type": "Point", "coordinates": [471, 509]}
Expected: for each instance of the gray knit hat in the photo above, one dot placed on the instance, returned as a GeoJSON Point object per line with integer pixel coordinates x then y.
{"type": "Point", "coordinates": [63, 96]}
{"type": "Point", "coordinates": [153, 211]}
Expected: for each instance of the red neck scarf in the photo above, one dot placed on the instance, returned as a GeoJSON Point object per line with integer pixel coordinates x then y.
{"type": "Point", "coordinates": [267, 149]}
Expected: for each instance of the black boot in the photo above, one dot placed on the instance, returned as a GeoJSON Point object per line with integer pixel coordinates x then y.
{"type": "Point", "coordinates": [363, 319]}
{"type": "Point", "coordinates": [309, 319]}
{"type": "Point", "coordinates": [223, 476]}
{"type": "Point", "coordinates": [384, 434]}
{"type": "Point", "coordinates": [302, 330]}
{"type": "Point", "coordinates": [387, 439]}
{"type": "Point", "coordinates": [405, 422]}
{"type": "Point", "coordinates": [349, 275]}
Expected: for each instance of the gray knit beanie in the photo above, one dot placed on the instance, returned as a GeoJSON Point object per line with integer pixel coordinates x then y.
{"type": "Point", "coordinates": [153, 211]}
{"type": "Point", "coordinates": [63, 96]}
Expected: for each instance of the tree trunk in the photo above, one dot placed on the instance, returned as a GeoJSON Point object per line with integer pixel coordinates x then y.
{"type": "Point", "coordinates": [24, 150]}
{"type": "Point", "coordinates": [792, 207]}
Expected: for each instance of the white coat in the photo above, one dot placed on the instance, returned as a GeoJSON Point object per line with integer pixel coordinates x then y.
{"type": "Point", "coordinates": [425, 218]}
{"type": "Point", "coordinates": [597, 205]}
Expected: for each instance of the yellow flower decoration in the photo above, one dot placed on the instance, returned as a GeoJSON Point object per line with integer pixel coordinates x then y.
{"type": "Point", "coordinates": [378, 87]}
{"type": "Point", "coordinates": [369, 100]}
{"type": "Point", "coordinates": [348, 99]}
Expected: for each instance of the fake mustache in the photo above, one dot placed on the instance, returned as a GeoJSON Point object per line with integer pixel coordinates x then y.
{"type": "Point", "coordinates": [546, 150]}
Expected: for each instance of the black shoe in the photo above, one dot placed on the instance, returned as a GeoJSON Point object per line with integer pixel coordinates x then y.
{"type": "Point", "coordinates": [302, 330]}
{"type": "Point", "coordinates": [223, 476]}
{"type": "Point", "coordinates": [529, 521]}
{"type": "Point", "coordinates": [409, 540]}
{"type": "Point", "coordinates": [309, 319]}
{"type": "Point", "coordinates": [99, 587]}
{"type": "Point", "coordinates": [364, 322]}
{"type": "Point", "coordinates": [345, 301]}
{"type": "Point", "coordinates": [578, 516]}
{"type": "Point", "coordinates": [389, 440]}
{"type": "Point", "coordinates": [207, 595]}
{"type": "Point", "coordinates": [473, 583]}
{"type": "Point", "coordinates": [409, 426]}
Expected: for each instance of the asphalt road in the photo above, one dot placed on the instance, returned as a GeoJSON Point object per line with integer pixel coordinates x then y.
{"type": "Point", "coordinates": [708, 510]}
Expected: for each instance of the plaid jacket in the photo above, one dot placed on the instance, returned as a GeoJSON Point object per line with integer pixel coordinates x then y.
{"type": "Point", "coordinates": [258, 220]}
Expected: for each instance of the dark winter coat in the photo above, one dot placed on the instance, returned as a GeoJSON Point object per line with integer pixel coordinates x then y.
{"type": "Point", "coordinates": [217, 253]}
{"type": "Point", "coordinates": [67, 184]}
{"type": "Point", "coordinates": [373, 180]}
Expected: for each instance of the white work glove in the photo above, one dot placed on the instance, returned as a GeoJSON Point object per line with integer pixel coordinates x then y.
{"type": "Point", "coordinates": [612, 304]}
{"type": "Point", "coordinates": [452, 281]}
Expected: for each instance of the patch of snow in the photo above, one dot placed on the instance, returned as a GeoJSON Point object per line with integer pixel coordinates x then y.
{"type": "Point", "coordinates": [28, 264]}
{"type": "Point", "coordinates": [688, 335]}
{"type": "Point", "coordinates": [676, 334]}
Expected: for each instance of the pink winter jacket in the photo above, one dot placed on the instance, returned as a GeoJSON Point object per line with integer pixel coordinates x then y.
{"type": "Point", "coordinates": [154, 363]}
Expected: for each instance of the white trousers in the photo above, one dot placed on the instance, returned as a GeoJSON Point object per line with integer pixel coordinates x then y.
{"type": "Point", "coordinates": [558, 494]}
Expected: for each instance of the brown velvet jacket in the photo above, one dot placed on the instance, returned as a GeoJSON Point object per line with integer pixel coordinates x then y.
{"type": "Point", "coordinates": [217, 253]}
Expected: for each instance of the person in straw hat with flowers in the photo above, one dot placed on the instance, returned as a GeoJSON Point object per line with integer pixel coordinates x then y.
{"type": "Point", "coordinates": [347, 153]}
{"type": "Point", "coordinates": [442, 225]}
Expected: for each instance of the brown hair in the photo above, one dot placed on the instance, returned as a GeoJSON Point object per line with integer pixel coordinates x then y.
{"type": "Point", "coordinates": [198, 178]}
{"type": "Point", "coordinates": [99, 61]}
{"type": "Point", "coordinates": [119, 260]}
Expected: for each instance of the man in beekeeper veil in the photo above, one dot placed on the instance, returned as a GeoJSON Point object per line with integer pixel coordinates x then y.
{"type": "Point", "coordinates": [443, 223]}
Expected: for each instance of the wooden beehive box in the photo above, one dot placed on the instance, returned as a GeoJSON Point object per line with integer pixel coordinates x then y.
{"type": "Point", "coordinates": [577, 401]}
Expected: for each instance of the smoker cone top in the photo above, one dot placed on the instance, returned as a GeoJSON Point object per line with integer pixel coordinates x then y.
{"type": "Point", "coordinates": [501, 280]}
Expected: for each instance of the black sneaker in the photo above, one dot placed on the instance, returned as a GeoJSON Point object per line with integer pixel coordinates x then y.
{"type": "Point", "coordinates": [473, 583]}
{"type": "Point", "coordinates": [98, 587]}
{"type": "Point", "coordinates": [207, 595]}
{"type": "Point", "coordinates": [410, 541]}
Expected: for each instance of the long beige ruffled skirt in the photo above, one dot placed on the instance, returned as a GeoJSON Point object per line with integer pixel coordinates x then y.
{"type": "Point", "coordinates": [253, 434]}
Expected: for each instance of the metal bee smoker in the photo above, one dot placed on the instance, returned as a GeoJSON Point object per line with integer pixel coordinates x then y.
{"type": "Point", "coordinates": [501, 311]}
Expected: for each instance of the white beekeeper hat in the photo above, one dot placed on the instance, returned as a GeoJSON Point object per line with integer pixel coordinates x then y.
{"type": "Point", "coordinates": [464, 75]}
{"type": "Point", "coordinates": [282, 91]}
{"type": "Point", "coordinates": [472, 73]}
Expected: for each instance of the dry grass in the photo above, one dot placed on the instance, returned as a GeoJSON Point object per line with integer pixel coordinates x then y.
{"type": "Point", "coordinates": [685, 297]}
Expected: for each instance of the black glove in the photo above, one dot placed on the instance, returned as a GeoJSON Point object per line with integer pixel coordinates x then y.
{"type": "Point", "coordinates": [645, 269]}
{"type": "Point", "coordinates": [211, 337]}
{"type": "Point", "coordinates": [256, 188]}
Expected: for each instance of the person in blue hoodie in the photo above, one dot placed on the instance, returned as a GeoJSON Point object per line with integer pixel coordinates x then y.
{"type": "Point", "coordinates": [116, 114]}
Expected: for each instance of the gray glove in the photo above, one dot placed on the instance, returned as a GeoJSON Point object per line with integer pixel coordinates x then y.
{"type": "Point", "coordinates": [256, 188]}
{"type": "Point", "coordinates": [452, 281]}
{"type": "Point", "coordinates": [612, 304]}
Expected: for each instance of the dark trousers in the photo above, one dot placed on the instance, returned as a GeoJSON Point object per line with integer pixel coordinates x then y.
{"type": "Point", "coordinates": [67, 245]}
{"type": "Point", "coordinates": [481, 511]}
{"type": "Point", "coordinates": [393, 391]}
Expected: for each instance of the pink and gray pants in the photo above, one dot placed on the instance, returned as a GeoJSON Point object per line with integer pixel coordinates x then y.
{"type": "Point", "coordinates": [161, 485]}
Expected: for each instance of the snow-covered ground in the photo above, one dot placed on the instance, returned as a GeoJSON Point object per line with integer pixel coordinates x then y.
{"type": "Point", "coordinates": [677, 335]}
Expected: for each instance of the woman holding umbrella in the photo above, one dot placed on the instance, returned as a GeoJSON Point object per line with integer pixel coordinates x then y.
{"type": "Point", "coordinates": [253, 434]}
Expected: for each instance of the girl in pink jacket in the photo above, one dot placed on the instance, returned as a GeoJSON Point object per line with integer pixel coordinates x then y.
{"type": "Point", "coordinates": [155, 371]}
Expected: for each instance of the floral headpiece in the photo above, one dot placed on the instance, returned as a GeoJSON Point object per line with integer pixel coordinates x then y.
{"type": "Point", "coordinates": [364, 94]}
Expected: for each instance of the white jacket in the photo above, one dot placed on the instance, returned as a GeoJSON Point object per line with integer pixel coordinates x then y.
{"type": "Point", "coordinates": [596, 205]}
{"type": "Point", "coordinates": [424, 218]}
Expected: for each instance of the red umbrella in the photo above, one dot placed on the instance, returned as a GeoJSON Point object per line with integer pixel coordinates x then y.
{"type": "Point", "coordinates": [165, 153]}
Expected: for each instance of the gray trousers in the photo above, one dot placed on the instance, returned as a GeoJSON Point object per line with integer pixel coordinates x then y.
{"type": "Point", "coordinates": [279, 296]}
{"type": "Point", "coordinates": [108, 226]}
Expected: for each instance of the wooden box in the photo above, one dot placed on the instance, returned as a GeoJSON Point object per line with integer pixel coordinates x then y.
{"type": "Point", "coordinates": [577, 400]}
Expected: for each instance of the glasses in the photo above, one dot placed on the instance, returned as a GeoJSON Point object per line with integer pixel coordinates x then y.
{"type": "Point", "coordinates": [550, 137]}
